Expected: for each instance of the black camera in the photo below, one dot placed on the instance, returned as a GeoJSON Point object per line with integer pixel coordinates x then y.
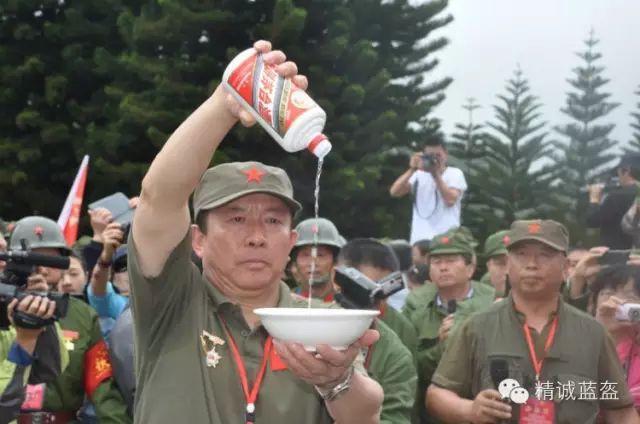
{"type": "Point", "coordinates": [429, 161]}
{"type": "Point", "coordinates": [360, 292]}
{"type": "Point", "coordinates": [13, 281]}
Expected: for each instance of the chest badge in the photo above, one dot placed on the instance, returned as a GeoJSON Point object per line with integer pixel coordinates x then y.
{"type": "Point", "coordinates": [209, 343]}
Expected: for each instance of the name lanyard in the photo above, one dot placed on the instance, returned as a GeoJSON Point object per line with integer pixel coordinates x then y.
{"type": "Point", "coordinates": [250, 394]}
{"type": "Point", "coordinates": [537, 364]}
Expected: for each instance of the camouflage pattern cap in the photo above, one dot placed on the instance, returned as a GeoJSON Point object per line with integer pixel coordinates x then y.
{"type": "Point", "coordinates": [224, 183]}
{"type": "Point", "coordinates": [549, 232]}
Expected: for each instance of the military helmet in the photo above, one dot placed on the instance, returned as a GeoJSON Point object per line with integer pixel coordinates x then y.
{"type": "Point", "coordinates": [327, 233]}
{"type": "Point", "coordinates": [38, 232]}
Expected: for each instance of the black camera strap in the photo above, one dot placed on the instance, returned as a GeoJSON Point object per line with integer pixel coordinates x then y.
{"type": "Point", "coordinates": [414, 193]}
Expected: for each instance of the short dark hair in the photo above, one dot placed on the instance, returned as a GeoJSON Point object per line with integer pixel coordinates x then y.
{"type": "Point", "coordinates": [435, 141]}
{"type": "Point", "coordinates": [402, 250]}
{"type": "Point", "coordinates": [422, 246]}
{"type": "Point", "coordinates": [369, 251]}
{"type": "Point", "coordinates": [418, 274]}
{"type": "Point", "coordinates": [613, 277]}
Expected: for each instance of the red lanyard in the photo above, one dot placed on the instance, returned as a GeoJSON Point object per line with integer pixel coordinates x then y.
{"type": "Point", "coordinates": [251, 395]}
{"type": "Point", "coordinates": [537, 364]}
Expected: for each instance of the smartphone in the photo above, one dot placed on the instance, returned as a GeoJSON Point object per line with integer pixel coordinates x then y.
{"type": "Point", "coordinates": [118, 205]}
{"type": "Point", "coordinates": [614, 257]}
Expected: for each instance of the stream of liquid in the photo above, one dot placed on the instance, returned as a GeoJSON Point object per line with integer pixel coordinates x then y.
{"type": "Point", "coordinates": [314, 249]}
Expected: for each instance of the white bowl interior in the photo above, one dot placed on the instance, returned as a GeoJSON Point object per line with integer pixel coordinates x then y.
{"type": "Point", "coordinates": [337, 328]}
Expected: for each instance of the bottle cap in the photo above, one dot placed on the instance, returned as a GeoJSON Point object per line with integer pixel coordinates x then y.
{"type": "Point", "coordinates": [319, 145]}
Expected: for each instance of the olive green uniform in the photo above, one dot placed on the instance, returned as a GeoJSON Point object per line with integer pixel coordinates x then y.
{"type": "Point", "coordinates": [428, 320]}
{"type": "Point", "coordinates": [67, 392]}
{"type": "Point", "coordinates": [401, 326]}
{"type": "Point", "coordinates": [582, 353]}
{"type": "Point", "coordinates": [391, 364]}
{"type": "Point", "coordinates": [174, 383]}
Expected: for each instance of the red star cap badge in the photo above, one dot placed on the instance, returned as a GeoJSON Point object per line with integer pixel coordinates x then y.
{"type": "Point", "coordinates": [254, 174]}
{"type": "Point", "coordinates": [444, 240]}
{"type": "Point", "coordinates": [38, 231]}
{"type": "Point", "coordinates": [506, 240]}
{"type": "Point", "coordinates": [534, 228]}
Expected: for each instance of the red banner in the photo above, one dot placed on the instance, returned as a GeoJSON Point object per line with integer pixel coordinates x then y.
{"type": "Point", "coordinates": [70, 215]}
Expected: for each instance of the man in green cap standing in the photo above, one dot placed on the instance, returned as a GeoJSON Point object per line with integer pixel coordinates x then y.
{"type": "Point", "coordinates": [542, 346]}
{"type": "Point", "coordinates": [454, 298]}
{"type": "Point", "coordinates": [495, 252]}
{"type": "Point", "coordinates": [326, 235]}
{"type": "Point", "coordinates": [202, 354]}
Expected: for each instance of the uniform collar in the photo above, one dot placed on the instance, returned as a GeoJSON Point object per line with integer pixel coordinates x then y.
{"type": "Point", "coordinates": [441, 304]}
{"type": "Point", "coordinates": [521, 318]}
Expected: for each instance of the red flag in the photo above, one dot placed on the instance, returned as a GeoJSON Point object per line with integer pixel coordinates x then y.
{"type": "Point", "coordinates": [70, 215]}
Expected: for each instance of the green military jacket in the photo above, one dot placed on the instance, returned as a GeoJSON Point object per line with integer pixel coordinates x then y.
{"type": "Point", "coordinates": [391, 364]}
{"type": "Point", "coordinates": [583, 356]}
{"type": "Point", "coordinates": [175, 383]}
{"type": "Point", "coordinates": [428, 318]}
{"type": "Point", "coordinates": [81, 331]}
{"type": "Point", "coordinates": [401, 325]}
{"type": "Point", "coordinates": [486, 280]}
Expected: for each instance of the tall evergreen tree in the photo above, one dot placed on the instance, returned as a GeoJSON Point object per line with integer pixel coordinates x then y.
{"type": "Point", "coordinates": [467, 152]}
{"type": "Point", "coordinates": [634, 143]}
{"type": "Point", "coordinates": [49, 95]}
{"type": "Point", "coordinates": [586, 150]}
{"type": "Point", "coordinates": [515, 180]}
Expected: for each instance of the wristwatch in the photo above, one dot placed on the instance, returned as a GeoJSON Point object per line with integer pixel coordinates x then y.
{"type": "Point", "coordinates": [338, 389]}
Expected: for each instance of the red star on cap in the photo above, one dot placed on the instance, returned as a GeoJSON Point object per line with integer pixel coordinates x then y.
{"type": "Point", "coordinates": [505, 240]}
{"type": "Point", "coordinates": [534, 228]}
{"type": "Point", "coordinates": [444, 240]}
{"type": "Point", "coordinates": [254, 174]}
{"type": "Point", "coordinates": [38, 231]}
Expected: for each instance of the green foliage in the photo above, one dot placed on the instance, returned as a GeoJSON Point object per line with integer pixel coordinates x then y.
{"type": "Point", "coordinates": [586, 151]}
{"type": "Point", "coordinates": [512, 178]}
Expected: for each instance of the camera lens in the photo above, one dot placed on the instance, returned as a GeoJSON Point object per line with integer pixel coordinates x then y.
{"type": "Point", "coordinates": [634, 315]}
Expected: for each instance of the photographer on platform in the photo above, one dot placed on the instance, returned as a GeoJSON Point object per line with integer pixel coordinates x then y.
{"type": "Point", "coordinates": [437, 191]}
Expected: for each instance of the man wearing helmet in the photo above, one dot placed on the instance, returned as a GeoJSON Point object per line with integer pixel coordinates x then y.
{"type": "Point", "coordinates": [88, 371]}
{"type": "Point", "coordinates": [328, 247]}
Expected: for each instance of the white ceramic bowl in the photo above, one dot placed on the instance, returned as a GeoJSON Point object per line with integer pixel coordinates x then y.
{"type": "Point", "coordinates": [337, 328]}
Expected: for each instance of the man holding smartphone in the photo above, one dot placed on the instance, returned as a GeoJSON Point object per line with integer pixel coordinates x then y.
{"type": "Point", "coordinates": [437, 191]}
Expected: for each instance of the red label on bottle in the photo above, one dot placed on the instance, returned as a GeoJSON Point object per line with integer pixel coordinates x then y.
{"type": "Point", "coordinates": [278, 101]}
{"type": "Point", "coordinates": [241, 79]}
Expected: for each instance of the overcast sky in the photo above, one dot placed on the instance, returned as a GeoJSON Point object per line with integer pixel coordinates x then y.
{"type": "Point", "coordinates": [489, 37]}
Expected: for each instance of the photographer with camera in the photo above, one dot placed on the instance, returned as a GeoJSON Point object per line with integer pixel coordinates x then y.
{"type": "Point", "coordinates": [437, 191]}
{"type": "Point", "coordinates": [17, 359]}
{"type": "Point", "coordinates": [89, 370]}
{"type": "Point", "coordinates": [616, 300]}
{"type": "Point", "coordinates": [606, 210]}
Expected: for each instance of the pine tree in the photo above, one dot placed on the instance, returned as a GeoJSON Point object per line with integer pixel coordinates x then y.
{"type": "Point", "coordinates": [49, 95]}
{"type": "Point", "coordinates": [467, 152]}
{"type": "Point", "coordinates": [515, 180]}
{"type": "Point", "coordinates": [587, 150]}
{"type": "Point", "coordinates": [634, 144]}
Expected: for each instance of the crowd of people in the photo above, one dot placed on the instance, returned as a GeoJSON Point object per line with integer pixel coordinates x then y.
{"type": "Point", "coordinates": [159, 323]}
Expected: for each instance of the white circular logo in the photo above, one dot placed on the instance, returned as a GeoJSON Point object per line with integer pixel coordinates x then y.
{"type": "Point", "coordinates": [301, 100]}
{"type": "Point", "coordinates": [519, 395]}
{"type": "Point", "coordinates": [506, 386]}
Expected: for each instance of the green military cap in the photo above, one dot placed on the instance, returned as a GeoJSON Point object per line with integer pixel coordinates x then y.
{"type": "Point", "coordinates": [546, 231]}
{"type": "Point", "coordinates": [223, 183]}
{"type": "Point", "coordinates": [496, 244]}
{"type": "Point", "coordinates": [466, 232]}
{"type": "Point", "coordinates": [452, 242]}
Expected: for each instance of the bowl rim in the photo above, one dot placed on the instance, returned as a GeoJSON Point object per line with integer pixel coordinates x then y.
{"type": "Point", "coordinates": [316, 313]}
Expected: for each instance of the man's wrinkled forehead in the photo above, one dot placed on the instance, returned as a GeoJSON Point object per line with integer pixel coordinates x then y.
{"type": "Point", "coordinates": [255, 203]}
{"type": "Point", "coordinates": [533, 245]}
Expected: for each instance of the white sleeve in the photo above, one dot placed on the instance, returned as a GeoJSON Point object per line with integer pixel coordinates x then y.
{"type": "Point", "coordinates": [455, 179]}
{"type": "Point", "coordinates": [413, 178]}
